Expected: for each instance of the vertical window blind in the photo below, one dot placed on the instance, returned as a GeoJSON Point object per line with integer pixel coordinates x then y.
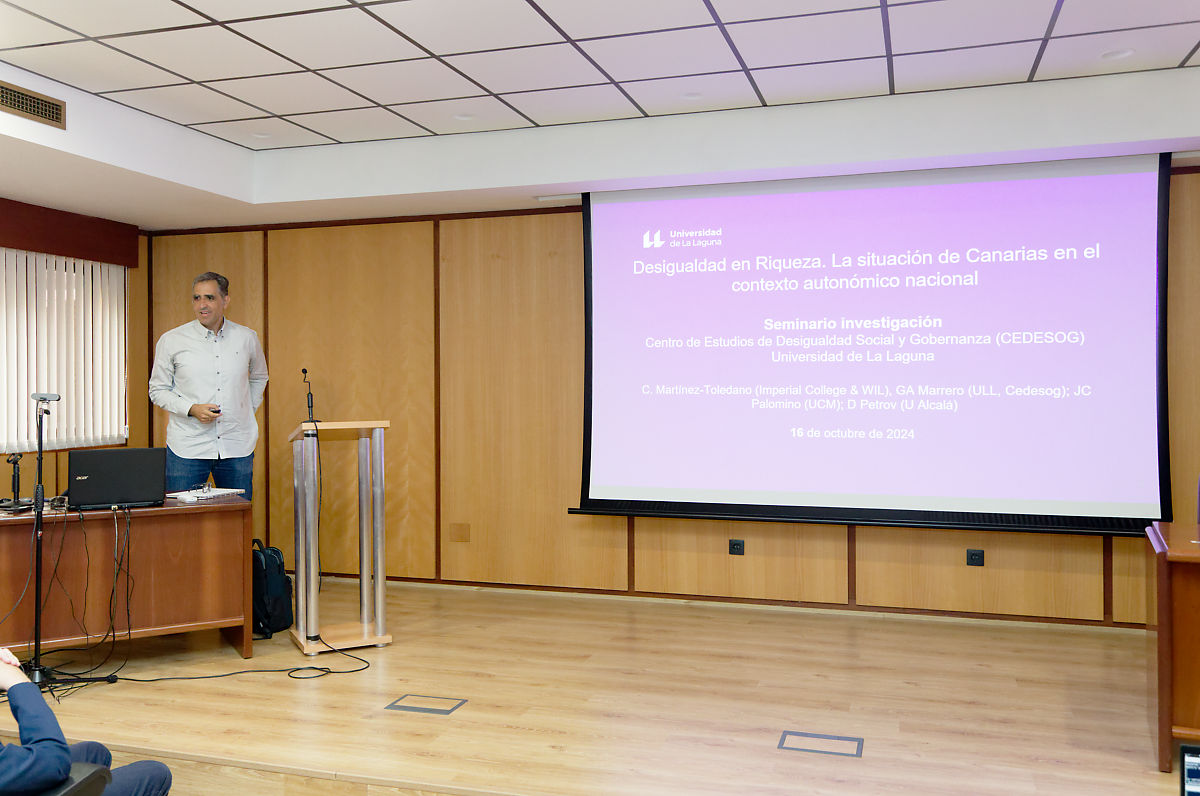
{"type": "Point", "coordinates": [62, 331]}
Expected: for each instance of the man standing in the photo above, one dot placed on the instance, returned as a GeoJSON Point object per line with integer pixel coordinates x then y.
{"type": "Point", "coordinates": [210, 375]}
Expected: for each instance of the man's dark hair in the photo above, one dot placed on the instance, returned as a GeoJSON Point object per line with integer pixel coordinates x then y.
{"type": "Point", "coordinates": [212, 276]}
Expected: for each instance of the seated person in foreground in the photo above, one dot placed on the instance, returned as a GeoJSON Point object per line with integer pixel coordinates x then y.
{"type": "Point", "coordinates": [43, 759]}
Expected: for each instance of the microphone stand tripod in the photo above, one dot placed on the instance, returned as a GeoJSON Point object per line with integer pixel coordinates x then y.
{"type": "Point", "coordinates": [43, 676]}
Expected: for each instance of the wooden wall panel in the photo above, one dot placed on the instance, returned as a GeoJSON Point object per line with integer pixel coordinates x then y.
{"type": "Point", "coordinates": [139, 348]}
{"type": "Point", "coordinates": [1183, 355]}
{"type": "Point", "coordinates": [176, 261]}
{"type": "Point", "coordinates": [54, 474]}
{"type": "Point", "coordinates": [783, 561]}
{"type": "Point", "coordinates": [1025, 574]}
{"type": "Point", "coordinates": [511, 343]}
{"type": "Point", "coordinates": [355, 306]}
{"type": "Point", "coordinates": [1129, 579]}
{"type": "Point", "coordinates": [511, 330]}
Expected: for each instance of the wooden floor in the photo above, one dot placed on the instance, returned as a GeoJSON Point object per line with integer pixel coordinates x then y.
{"type": "Point", "coordinates": [594, 695]}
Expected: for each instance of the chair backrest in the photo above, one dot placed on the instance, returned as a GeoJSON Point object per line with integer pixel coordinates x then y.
{"type": "Point", "coordinates": [85, 779]}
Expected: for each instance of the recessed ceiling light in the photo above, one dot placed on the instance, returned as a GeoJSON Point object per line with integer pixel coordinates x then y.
{"type": "Point", "coordinates": [1116, 55]}
{"type": "Point", "coordinates": [464, 117]}
{"type": "Point", "coordinates": [260, 135]}
{"type": "Point", "coordinates": [692, 95]}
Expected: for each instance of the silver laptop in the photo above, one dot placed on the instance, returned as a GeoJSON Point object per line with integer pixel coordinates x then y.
{"type": "Point", "coordinates": [122, 477]}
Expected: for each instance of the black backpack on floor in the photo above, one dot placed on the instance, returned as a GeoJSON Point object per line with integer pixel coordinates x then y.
{"type": "Point", "coordinates": [272, 590]}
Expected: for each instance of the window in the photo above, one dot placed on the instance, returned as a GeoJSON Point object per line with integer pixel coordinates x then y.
{"type": "Point", "coordinates": [62, 331]}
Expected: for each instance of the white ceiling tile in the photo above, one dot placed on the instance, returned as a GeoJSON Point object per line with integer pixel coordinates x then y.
{"type": "Point", "coordinates": [89, 66]}
{"type": "Point", "coordinates": [268, 133]}
{"type": "Point", "coordinates": [567, 105]}
{"type": "Point", "coordinates": [18, 29]}
{"type": "Point", "coordinates": [669, 54]}
{"type": "Point", "coordinates": [463, 115]}
{"type": "Point", "coordinates": [186, 104]}
{"type": "Point", "coordinates": [978, 66]}
{"type": "Point", "coordinates": [528, 68]}
{"type": "Point", "coordinates": [692, 94]}
{"type": "Point", "coordinates": [583, 20]}
{"type": "Point", "coordinates": [1152, 48]}
{"type": "Point", "coordinates": [787, 85]}
{"type": "Point", "coordinates": [306, 38]}
{"type": "Point", "coordinates": [191, 53]}
{"type": "Point", "coordinates": [405, 81]}
{"type": "Point", "coordinates": [741, 10]}
{"type": "Point", "coordinates": [469, 25]}
{"type": "Point", "coordinates": [802, 40]}
{"type": "Point", "coordinates": [363, 124]}
{"type": "Point", "coordinates": [965, 23]}
{"type": "Point", "coordinates": [299, 92]}
{"type": "Point", "coordinates": [1090, 16]}
{"type": "Point", "coordinates": [94, 18]}
{"type": "Point", "coordinates": [225, 10]}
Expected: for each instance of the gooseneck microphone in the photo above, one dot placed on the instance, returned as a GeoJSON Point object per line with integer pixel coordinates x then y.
{"type": "Point", "coordinates": [310, 405]}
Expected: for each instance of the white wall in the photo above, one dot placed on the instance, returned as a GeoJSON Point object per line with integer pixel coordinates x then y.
{"type": "Point", "coordinates": [119, 163]}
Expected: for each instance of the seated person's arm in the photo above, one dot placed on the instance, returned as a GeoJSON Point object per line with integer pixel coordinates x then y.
{"type": "Point", "coordinates": [42, 759]}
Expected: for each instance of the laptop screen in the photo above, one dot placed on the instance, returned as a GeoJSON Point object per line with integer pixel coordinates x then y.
{"type": "Point", "coordinates": [123, 477]}
{"type": "Point", "coordinates": [1189, 770]}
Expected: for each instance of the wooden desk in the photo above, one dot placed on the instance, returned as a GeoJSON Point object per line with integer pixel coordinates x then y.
{"type": "Point", "coordinates": [189, 566]}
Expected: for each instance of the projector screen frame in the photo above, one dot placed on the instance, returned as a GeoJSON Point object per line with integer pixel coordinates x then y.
{"type": "Point", "coordinates": [918, 518]}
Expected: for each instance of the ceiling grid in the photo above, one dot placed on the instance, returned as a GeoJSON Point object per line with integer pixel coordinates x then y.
{"type": "Point", "coordinates": [305, 73]}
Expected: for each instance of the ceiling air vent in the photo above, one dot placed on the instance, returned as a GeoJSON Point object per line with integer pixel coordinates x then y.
{"type": "Point", "coordinates": [31, 105]}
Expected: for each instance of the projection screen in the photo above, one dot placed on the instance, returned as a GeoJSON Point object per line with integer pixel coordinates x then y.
{"type": "Point", "coordinates": [978, 347]}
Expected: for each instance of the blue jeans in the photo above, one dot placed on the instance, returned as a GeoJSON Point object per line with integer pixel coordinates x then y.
{"type": "Point", "coordinates": [235, 473]}
{"type": "Point", "coordinates": [143, 778]}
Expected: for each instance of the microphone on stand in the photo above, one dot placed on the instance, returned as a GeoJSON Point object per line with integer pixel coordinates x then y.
{"type": "Point", "coordinates": [15, 460]}
{"type": "Point", "coordinates": [17, 503]}
{"type": "Point", "coordinates": [311, 419]}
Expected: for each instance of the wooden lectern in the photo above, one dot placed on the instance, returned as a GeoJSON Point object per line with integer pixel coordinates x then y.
{"type": "Point", "coordinates": [369, 630]}
{"type": "Point", "coordinates": [1173, 602]}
